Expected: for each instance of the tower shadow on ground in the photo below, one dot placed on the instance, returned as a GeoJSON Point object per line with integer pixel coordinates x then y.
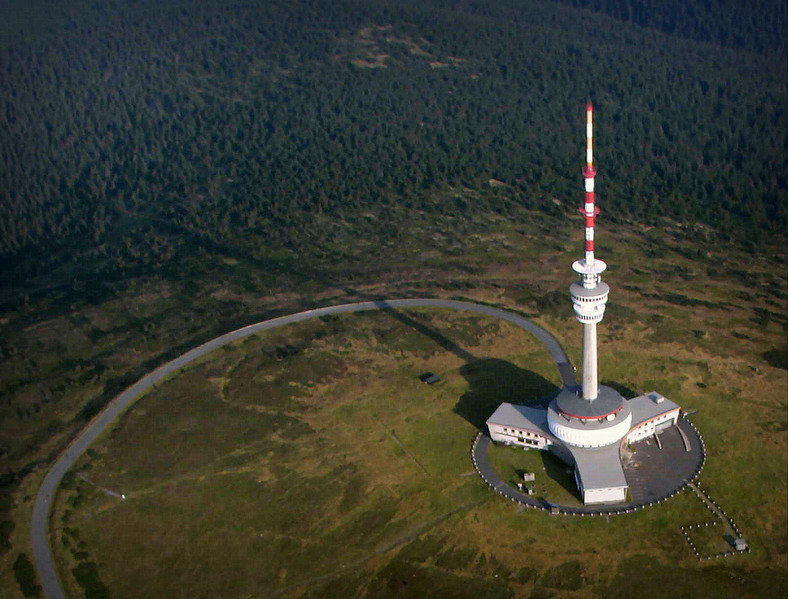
{"type": "Point", "coordinates": [439, 338]}
{"type": "Point", "coordinates": [493, 381]}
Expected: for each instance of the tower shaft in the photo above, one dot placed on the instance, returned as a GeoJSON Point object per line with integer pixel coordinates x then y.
{"type": "Point", "coordinates": [589, 295]}
{"type": "Point", "coordinates": [590, 382]}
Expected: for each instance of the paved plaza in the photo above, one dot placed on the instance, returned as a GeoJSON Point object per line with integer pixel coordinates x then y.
{"type": "Point", "coordinates": [654, 472]}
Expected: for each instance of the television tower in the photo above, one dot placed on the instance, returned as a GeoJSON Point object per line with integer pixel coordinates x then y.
{"type": "Point", "coordinates": [589, 295]}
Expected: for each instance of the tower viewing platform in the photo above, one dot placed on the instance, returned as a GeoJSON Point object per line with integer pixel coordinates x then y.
{"type": "Point", "coordinates": [589, 303]}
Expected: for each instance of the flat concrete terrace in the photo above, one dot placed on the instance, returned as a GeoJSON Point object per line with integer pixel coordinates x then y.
{"type": "Point", "coordinates": [653, 473]}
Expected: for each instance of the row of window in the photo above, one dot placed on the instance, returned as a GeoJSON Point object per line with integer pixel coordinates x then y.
{"type": "Point", "coordinates": [591, 317]}
{"type": "Point", "coordinates": [535, 438]}
{"type": "Point", "coordinates": [580, 298]}
{"type": "Point", "coordinates": [513, 431]}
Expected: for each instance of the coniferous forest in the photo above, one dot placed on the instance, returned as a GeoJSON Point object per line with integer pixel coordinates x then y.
{"type": "Point", "coordinates": [171, 170]}
{"type": "Point", "coordinates": [134, 133]}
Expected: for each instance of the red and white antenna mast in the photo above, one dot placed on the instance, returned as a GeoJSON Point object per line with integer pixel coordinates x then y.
{"type": "Point", "coordinates": [589, 296]}
{"type": "Point", "coordinates": [590, 209]}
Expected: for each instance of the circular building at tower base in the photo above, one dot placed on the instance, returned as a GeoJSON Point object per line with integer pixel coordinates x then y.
{"type": "Point", "coordinates": [583, 423]}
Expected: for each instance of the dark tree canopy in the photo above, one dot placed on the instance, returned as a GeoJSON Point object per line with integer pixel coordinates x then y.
{"type": "Point", "coordinates": [131, 132]}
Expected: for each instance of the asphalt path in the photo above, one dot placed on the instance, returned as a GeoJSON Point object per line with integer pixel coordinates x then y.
{"type": "Point", "coordinates": [42, 551]}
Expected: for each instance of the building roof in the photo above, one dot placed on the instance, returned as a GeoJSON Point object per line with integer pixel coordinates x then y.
{"type": "Point", "coordinates": [599, 468]}
{"type": "Point", "coordinates": [525, 417]}
{"type": "Point", "coordinates": [571, 403]}
{"type": "Point", "coordinates": [648, 406]}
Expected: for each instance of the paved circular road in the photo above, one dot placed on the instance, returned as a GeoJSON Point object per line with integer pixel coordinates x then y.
{"type": "Point", "coordinates": [42, 552]}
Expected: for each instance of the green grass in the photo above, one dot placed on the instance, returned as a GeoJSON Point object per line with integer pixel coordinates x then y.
{"type": "Point", "coordinates": [344, 462]}
{"type": "Point", "coordinates": [710, 540]}
{"type": "Point", "coordinates": [406, 580]}
{"type": "Point", "coordinates": [301, 453]}
{"type": "Point", "coordinates": [554, 480]}
{"type": "Point", "coordinates": [291, 461]}
{"type": "Point", "coordinates": [722, 579]}
{"type": "Point", "coordinates": [567, 576]}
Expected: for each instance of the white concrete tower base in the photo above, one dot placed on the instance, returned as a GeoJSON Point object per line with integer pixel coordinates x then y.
{"type": "Point", "coordinates": [590, 382]}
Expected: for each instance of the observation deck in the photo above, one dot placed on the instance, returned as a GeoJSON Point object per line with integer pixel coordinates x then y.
{"type": "Point", "coordinates": [589, 304]}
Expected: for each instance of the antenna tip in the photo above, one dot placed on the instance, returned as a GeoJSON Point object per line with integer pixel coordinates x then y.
{"type": "Point", "coordinates": [589, 107]}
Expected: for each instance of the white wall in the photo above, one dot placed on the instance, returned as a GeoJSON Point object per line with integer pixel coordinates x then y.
{"type": "Point", "coordinates": [575, 435]}
{"type": "Point", "coordinates": [611, 495]}
{"type": "Point", "coordinates": [647, 428]}
{"type": "Point", "coordinates": [510, 434]}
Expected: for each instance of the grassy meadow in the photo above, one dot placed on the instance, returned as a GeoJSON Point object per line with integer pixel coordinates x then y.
{"type": "Point", "coordinates": [290, 456]}
{"type": "Point", "coordinates": [310, 461]}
